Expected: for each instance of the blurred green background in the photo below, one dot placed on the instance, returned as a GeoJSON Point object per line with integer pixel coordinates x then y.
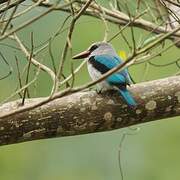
{"type": "Point", "coordinates": [150, 153]}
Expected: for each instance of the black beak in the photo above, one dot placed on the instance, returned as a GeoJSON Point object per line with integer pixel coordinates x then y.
{"type": "Point", "coordinates": [82, 55]}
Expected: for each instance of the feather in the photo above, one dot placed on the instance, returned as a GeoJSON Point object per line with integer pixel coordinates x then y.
{"type": "Point", "coordinates": [105, 62]}
{"type": "Point", "coordinates": [127, 97]}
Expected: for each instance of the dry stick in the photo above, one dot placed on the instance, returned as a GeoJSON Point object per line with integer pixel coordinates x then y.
{"type": "Point", "coordinates": [138, 6]}
{"type": "Point", "coordinates": [69, 91]}
{"type": "Point", "coordinates": [164, 65]}
{"type": "Point", "coordinates": [24, 11]}
{"type": "Point", "coordinates": [2, 16]}
{"type": "Point", "coordinates": [28, 69]}
{"type": "Point", "coordinates": [66, 79]}
{"type": "Point", "coordinates": [102, 15]}
{"type": "Point", "coordinates": [148, 57]}
{"type": "Point", "coordinates": [45, 44]}
{"type": "Point", "coordinates": [3, 1]}
{"type": "Point", "coordinates": [125, 39]}
{"type": "Point", "coordinates": [11, 5]}
{"type": "Point", "coordinates": [170, 12]}
{"type": "Point", "coordinates": [73, 75]}
{"type": "Point", "coordinates": [122, 141]}
{"type": "Point", "coordinates": [126, 25]}
{"type": "Point", "coordinates": [58, 32]}
{"type": "Point", "coordinates": [63, 57]}
{"type": "Point", "coordinates": [9, 20]}
{"type": "Point", "coordinates": [20, 1]}
{"type": "Point", "coordinates": [22, 88]}
{"type": "Point", "coordinates": [52, 57]}
{"type": "Point", "coordinates": [131, 27]}
{"type": "Point", "coordinates": [174, 3]}
{"type": "Point", "coordinates": [151, 14]}
{"type": "Point", "coordinates": [10, 68]}
{"type": "Point", "coordinates": [9, 46]}
{"type": "Point", "coordinates": [34, 61]}
{"type": "Point", "coordinates": [54, 66]}
{"type": "Point", "coordinates": [25, 24]}
{"type": "Point", "coordinates": [19, 75]}
{"type": "Point", "coordinates": [75, 71]}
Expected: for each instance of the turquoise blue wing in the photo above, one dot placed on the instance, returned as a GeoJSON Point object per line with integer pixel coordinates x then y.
{"type": "Point", "coordinates": [116, 79]}
{"type": "Point", "coordinates": [108, 62]}
{"type": "Point", "coordinates": [104, 63]}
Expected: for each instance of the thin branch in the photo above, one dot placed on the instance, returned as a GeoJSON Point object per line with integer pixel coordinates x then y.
{"type": "Point", "coordinates": [9, 19]}
{"type": "Point", "coordinates": [22, 88]}
{"type": "Point", "coordinates": [28, 69]}
{"type": "Point", "coordinates": [69, 36]}
{"type": "Point", "coordinates": [75, 71]}
{"type": "Point", "coordinates": [51, 55]}
{"type": "Point", "coordinates": [173, 2]}
{"type": "Point", "coordinates": [26, 23]}
{"type": "Point", "coordinates": [4, 9]}
{"type": "Point", "coordinates": [24, 11]}
{"type": "Point", "coordinates": [10, 67]}
{"type": "Point", "coordinates": [18, 75]}
{"type": "Point", "coordinates": [34, 61]}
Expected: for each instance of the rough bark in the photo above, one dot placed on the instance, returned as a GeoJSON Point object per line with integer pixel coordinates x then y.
{"type": "Point", "coordinates": [89, 112]}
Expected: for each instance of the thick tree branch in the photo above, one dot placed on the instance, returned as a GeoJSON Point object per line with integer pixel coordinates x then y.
{"type": "Point", "coordinates": [88, 112]}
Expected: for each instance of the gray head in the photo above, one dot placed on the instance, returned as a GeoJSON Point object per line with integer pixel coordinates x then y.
{"type": "Point", "coordinates": [98, 48]}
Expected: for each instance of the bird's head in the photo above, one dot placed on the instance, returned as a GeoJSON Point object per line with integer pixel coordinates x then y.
{"type": "Point", "coordinates": [98, 48]}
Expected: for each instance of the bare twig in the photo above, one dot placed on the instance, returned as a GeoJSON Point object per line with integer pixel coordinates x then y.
{"type": "Point", "coordinates": [10, 68]}
{"type": "Point", "coordinates": [28, 69]}
{"type": "Point", "coordinates": [34, 61]}
{"type": "Point", "coordinates": [9, 19]}
{"type": "Point", "coordinates": [18, 74]}
{"type": "Point", "coordinates": [63, 56]}
{"type": "Point", "coordinates": [22, 88]}
{"type": "Point", "coordinates": [25, 24]}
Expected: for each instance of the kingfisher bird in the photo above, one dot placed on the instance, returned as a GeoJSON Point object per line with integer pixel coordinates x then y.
{"type": "Point", "coordinates": [102, 57]}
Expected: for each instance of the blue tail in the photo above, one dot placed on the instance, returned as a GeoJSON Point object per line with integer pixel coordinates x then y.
{"type": "Point", "coordinates": [127, 97]}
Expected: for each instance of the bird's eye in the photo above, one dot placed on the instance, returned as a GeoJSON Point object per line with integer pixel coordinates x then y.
{"type": "Point", "coordinates": [93, 48]}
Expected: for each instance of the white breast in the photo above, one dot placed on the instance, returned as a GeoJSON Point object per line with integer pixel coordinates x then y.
{"type": "Point", "coordinates": [94, 74]}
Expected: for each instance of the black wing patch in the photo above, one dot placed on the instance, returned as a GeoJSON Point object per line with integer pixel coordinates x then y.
{"type": "Point", "coordinates": [97, 65]}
